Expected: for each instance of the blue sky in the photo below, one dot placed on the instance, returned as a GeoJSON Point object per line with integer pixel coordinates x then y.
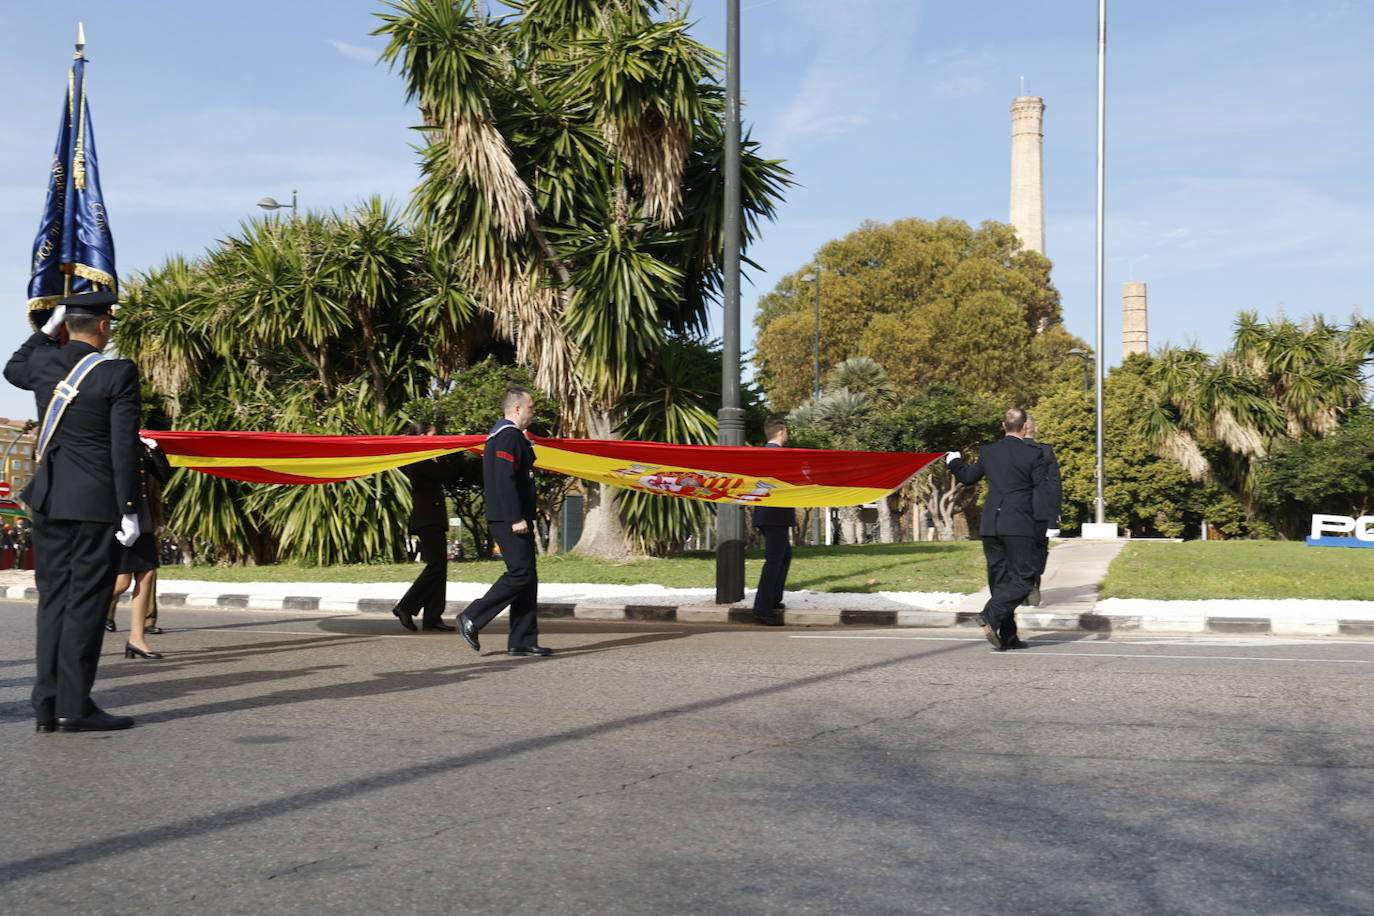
{"type": "Point", "coordinates": [1239, 143]}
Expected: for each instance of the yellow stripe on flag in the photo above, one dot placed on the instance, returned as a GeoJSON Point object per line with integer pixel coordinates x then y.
{"type": "Point", "coordinates": [341, 466]}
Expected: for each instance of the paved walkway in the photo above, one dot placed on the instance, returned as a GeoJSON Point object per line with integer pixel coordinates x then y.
{"type": "Point", "coordinates": [1069, 601]}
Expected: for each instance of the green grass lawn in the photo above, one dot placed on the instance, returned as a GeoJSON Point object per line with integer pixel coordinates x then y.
{"type": "Point", "coordinates": [950, 566]}
{"type": "Point", "coordinates": [1240, 569]}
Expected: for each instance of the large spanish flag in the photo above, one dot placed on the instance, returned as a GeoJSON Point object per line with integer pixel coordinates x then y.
{"type": "Point", "coordinates": [726, 474]}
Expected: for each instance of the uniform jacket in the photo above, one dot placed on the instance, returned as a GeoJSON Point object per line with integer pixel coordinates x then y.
{"type": "Point", "coordinates": [1049, 489]}
{"type": "Point", "coordinates": [1012, 467]}
{"type": "Point", "coordinates": [507, 474]}
{"type": "Point", "coordinates": [774, 515]}
{"type": "Point", "coordinates": [428, 506]}
{"type": "Point", "coordinates": [90, 472]}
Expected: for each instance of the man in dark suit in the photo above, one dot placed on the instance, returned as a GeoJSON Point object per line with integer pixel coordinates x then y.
{"type": "Point", "coordinates": [508, 487]}
{"type": "Point", "coordinates": [775, 523]}
{"type": "Point", "coordinates": [429, 523]}
{"type": "Point", "coordinates": [1049, 493]}
{"type": "Point", "coordinates": [1009, 526]}
{"type": "Point", "coordinates": [84, 498]}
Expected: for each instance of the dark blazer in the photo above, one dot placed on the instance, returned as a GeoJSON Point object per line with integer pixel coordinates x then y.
{"type": "Point", "coordinates": [507, 474]}
{"type": "Point", "coordinates": [1011, 467]}
{"type": "Point", "coordinates": [774, 515]}
{"type": "Point", "coordinates": [90, 472]}
{"type": "Point", "coordinates": [1046, 501]}
{"type": "Point", "coordinates": [428, 506]}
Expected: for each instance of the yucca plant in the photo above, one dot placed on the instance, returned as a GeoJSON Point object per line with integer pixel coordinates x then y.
{"type": "Point", "coordinates": [324, 324]}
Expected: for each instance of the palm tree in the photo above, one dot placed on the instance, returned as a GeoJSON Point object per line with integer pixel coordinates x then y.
{"type": "Point", "coordinates": [1280, 381]}
{"type": "Point", "coordinates": [571, 171]}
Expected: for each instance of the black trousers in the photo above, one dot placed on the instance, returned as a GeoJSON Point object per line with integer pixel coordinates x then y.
{"type": "Point", "coordinates": [517, 588]}
{"type": "Point", "coordinates": [431, 585]}
{"type": "Point", "coordinates": [1013, 564]}
{"type": "Point", "coordinates": [777, 560]}
{"type": "Point", "coordinates": [75, 565]}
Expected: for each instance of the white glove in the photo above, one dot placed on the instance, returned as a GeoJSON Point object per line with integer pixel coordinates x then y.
{"type": "Point", "coordinates": [950, 456]}
{"type": "Point", "coordinates": [55, 322]}
{"type": "Point", "coordinates": [128, 531]}
{"type": "Point", "coordinates": [148, 443]}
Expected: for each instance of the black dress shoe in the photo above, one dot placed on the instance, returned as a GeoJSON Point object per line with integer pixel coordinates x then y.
{"type": "Point", "coordinates": [529, 650]}
{"type": "Point", "coordinates": [153, 630]}
{"type": "Point", "coordinates": [109, 625]}
{"type": "Point", "coordinates": [1033, 599]}
{"type": "Point", "coordinates": [407, 619]}
{"type": "Point", "coordinates": [438, 625]}
{"type": "Point", "coordinates": [469, 631]}
{"type": "Point", "coordinates": [45, 727]}
{"type": "Point", "coordinates": [98, 721]}
{"type": "Point", "coordinates": [993, 638]}
{"type": "Point", "coordinates": [767, 620]}
{"type": "Point", "coordinates": [779, 606]}
{"type": "Point", "coordinates": [131, 651]}
{"type": "Point", "coordinates": [1017, 643]}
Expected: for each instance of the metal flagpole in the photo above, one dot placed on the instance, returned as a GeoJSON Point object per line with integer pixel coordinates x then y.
{"type": "Point", "coordinates": [1100, 503]}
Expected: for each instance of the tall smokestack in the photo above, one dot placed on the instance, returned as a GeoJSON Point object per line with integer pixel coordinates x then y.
{"type": "Point", "coordinates": [1027, 171]}
{"type": "Point", "coordinates": [1135, 325]}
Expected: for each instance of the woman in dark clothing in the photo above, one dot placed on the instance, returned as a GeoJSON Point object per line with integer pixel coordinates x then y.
{"type": "Point", "coordinates": [140, 561]}
{"type": "Point", "coordinates": [429, 523]}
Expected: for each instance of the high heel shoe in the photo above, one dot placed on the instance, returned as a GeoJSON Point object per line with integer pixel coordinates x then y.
{"type": "Point", "coordinates": [131, 652]}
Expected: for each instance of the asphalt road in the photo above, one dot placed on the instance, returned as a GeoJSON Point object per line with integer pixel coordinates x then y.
{"type": "Point", "coordinates": [308, 763]}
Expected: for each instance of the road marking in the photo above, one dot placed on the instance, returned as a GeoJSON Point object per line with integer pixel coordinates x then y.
{"type": "Point", "coordinates": [1075, 654]}
{"type": "Point", "coordinates": [1234, 658]}
{"type": "Point", "coordinates": [292, 632]}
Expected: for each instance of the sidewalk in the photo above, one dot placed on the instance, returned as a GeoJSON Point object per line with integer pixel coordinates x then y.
{"type": "Point", "coordinates": [1068, 602]}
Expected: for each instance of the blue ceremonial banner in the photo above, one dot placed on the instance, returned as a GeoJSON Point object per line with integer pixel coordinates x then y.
{"type": "Point", "coordinates": [74, 250]}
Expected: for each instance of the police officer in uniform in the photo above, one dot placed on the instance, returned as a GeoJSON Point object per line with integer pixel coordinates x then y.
{"type": "Point", "coordinates": [775, 523]}
{"type": "Point", "coordinates": [1010, 528]}
{"type": "Point", "coordinates": [84, 498]}
{"type": "Point", "coordinates": [508, 487]}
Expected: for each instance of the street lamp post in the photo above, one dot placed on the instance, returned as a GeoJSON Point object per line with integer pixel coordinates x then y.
{"type": "Point", "coordinates": [1087, 361]}
{"type": "Point", "coordinates": [268, 203]}
{"type": "Point", "coordinates": [816, 382]}
{"type": "Point", "coordinates": [816, 379]}
{"type": "Point", "coordinates": [730, 518]}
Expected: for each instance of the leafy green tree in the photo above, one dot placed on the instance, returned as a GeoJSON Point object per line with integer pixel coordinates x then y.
{"type": "Point", "coordinates": [325, 324]}
{"type": "Point", "coordinates": [1279, 382]}
{"type": "Point", "coordinates": [572, 166]}
{"type": "Point", "coordinates": [942, 418]}
{"type": "Point", "coordinates": [1328, 475]}
{"type": "Point", "coordinates": [931, 301]}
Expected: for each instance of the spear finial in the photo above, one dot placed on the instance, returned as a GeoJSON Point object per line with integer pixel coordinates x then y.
{"type": "Point", "coordinates": [80, 39]}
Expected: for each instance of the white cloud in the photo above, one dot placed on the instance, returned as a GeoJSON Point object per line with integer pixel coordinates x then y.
{"type": "Point", "coordinates": [357, 52]}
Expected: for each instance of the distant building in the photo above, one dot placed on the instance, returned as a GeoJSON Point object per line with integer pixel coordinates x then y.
{"type": "Point", "coordinates": [1135, 324]}
{"type": "Point", "coordinates": [1027, 171]}
{"type": "Point", "coordinates": [17, 441]}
